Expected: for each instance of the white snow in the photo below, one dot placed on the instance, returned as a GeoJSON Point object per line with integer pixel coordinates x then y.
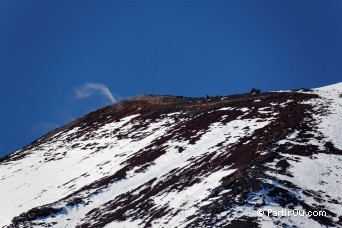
{"type": "Point", "coordinates": [226, 108]}
{"type": "Point", "coordinates": [228, 133]}
{"type": "Point", "coordinates": [51, 181]}
{"type": "Point", "coordinates": [321, 173]}
{"type": "Point", "coordinates": [331, 125]}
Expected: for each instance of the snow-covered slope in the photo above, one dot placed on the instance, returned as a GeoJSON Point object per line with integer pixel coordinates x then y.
{"type": "Point", "coordinates": [165, 161]}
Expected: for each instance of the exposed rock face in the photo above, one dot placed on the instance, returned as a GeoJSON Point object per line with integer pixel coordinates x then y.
{"type": "Point", "coordinates": [166, 161]}
{"type": "Point", "coordinates": [255, 91]}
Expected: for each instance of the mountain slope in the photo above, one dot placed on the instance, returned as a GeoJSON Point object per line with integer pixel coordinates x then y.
{"type": "Point", "coordinates": [166, 161]}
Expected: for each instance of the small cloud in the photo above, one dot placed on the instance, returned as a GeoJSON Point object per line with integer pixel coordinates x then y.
{"type": "Point", "coordinates": [90, 89]}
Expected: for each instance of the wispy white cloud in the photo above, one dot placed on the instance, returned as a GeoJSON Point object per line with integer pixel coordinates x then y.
{"type": "Point", "coordinates": [90, 89]}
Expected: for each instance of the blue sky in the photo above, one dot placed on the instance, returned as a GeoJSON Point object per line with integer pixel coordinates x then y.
{"type": "Point", "coordinates": [50, 50]}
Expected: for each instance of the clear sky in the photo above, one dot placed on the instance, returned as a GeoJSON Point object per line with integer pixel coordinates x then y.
{"type": "Point", "coordinates": [61, 59]}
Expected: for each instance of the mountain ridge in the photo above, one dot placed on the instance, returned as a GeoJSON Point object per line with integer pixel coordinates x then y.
{"type": "Point", "coordinates": [166, 161]}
